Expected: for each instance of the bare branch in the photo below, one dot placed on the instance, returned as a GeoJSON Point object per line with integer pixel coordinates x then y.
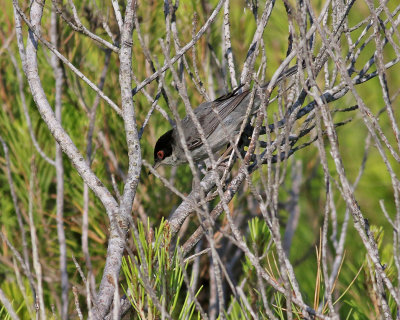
{"type": "Point", "coordinates": [78, 26]}
{"type": "Point", "coordinates": [185, 48]}
{"type": "Point", "coordinates": [7, 304]}
{"type": "Point", "coordinates": [59, 81]}
{"type": "Point", "coordinates": [30, 69]}
{"type": "Point", "coordinates": [65, 60]}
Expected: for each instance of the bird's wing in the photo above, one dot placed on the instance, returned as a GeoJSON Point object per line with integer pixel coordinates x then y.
{"type": "Point", "coordinates": [209, 115]}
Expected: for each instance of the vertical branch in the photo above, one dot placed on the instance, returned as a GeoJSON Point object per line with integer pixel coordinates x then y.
{"type": "Point", "coordinates": [77, 306]}
{"type": "Point", "coordinates": [213, 296]}
{"type": "Point", "coordinates": [293, 207]}
{"type": "Point", "coordinates": [218, 280]}
{"type": "Point", "coordinates": [255, 43]}
{"type": "Point", "coordinates": [117, 13]}
{"type": "Point", "coordinates": [228, 45]}
{"type": "Point", "coordinates": [35, 254]}
{"type": "Point", "coordinates": [129, 115]}
{"type": "Point", "coordinates": [324, 234]}
{"type": "Point", "coordinates": [59, 83]}
{"type": "Point", "coordinates": [121, 221]}
{"type": "Point", "coordinates": [116, 307]}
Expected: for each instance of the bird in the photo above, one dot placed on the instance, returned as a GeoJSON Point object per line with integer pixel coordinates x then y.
{"type": "Point", "coordinates": [220, 120]}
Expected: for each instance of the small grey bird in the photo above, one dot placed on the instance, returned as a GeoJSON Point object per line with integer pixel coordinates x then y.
{"type": "Point", "coordinates": [220, 119]}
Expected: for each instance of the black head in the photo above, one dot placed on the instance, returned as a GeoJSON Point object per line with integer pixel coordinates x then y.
{"type": "Point", "coordinates": [163, 148]}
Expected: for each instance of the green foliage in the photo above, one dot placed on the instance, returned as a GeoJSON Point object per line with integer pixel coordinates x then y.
{"type": "Point", "coordinates": [4, 314]}
{"type": "Point", "coordinates": [17, 300]}
{"type": "Point", "coordinates": [165, 276]}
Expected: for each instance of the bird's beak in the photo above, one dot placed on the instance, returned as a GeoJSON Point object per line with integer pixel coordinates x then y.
{"type": "Point", "coordinates": [155, 166]}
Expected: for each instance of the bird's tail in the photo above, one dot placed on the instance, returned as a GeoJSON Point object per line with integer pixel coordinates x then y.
{"type": "Point", "coordinates": [285, 74]}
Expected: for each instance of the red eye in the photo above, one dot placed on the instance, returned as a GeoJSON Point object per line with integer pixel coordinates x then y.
{"type": "Point", "coordinates": [160, 154]}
